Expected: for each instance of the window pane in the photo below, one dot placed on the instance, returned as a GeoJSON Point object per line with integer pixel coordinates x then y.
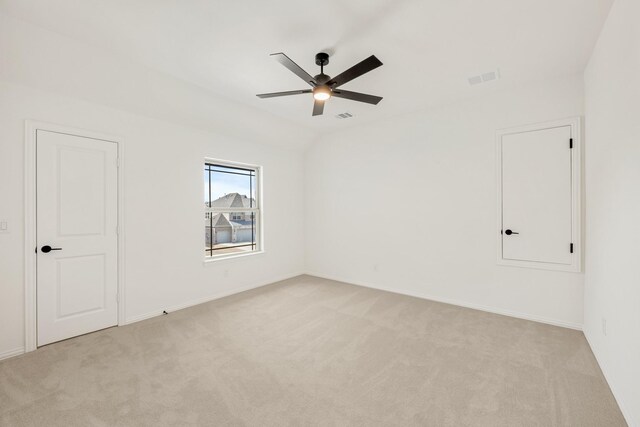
{"type": "Point", "coordinates": [208, 233]}
{"type": "Point", "coordinates": [207, 187]}
{"type": "Point", "coordinates": [228, 235]}
{"type": "Point", "coordinates": [227, 187]}
{"type": "Point", "coordinates": [253, 190]}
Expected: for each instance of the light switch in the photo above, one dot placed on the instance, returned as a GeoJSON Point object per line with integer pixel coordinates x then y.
{"type": "Point", "coordinates": [3, 227]}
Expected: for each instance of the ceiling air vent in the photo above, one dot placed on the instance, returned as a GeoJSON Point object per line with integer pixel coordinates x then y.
{"type": "Point", "coordinates": [484, 77]}
{"type": "Point", "coordinates": [344, 116]}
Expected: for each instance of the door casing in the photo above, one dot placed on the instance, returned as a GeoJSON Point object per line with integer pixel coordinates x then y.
{"type": "Point", "coordinates": [575, 123]}
{"type": "Point", "coordinates": [30, 242]}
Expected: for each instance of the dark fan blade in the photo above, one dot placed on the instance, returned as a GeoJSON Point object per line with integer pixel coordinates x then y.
{"type": "Point", "coordinates": [356, 71]}
{"type": "Point", "coordinates": [318, 107]}
{"type": "Point", "coordinates": [291, 92]}
{"type": "Point", "coordinates": [357, 96]}
{"type": "Point", "coordinates": [287, 62]}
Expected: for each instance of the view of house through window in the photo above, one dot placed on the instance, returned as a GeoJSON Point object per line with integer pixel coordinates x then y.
{"type": "Point", "coordinates": [232, 209]}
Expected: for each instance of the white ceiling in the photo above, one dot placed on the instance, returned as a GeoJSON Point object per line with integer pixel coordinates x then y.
{"type": "Point", "coordinates": [428, 47]}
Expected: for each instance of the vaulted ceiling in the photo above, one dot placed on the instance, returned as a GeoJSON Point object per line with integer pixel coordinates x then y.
{"type": "Point", "coordinates": [429, 47]}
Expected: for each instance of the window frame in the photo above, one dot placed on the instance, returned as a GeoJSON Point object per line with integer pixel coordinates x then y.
{"type": "Point", "coordinates": [258, 210]}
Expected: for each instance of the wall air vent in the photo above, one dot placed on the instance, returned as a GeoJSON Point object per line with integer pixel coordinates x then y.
{"type": "Point", "coordinates": [484, 77]}
{"type": "Point", "coordinates": [344, 116]}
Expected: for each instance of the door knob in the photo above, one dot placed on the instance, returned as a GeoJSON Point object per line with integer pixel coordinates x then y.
{"type": "Point", "coordinates": [46, 249]}
{"type": "Point", "coordinates": [509, 232]}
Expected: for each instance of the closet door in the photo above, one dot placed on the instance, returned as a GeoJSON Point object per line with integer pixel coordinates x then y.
{"type": "Point", "coordinates": [537, 198]}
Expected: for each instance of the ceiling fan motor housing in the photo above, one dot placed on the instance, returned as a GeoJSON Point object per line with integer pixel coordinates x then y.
{"type": "Point", "coordinates": [322, 58]}
{"type": "Point", "coordinates": [321, 79]}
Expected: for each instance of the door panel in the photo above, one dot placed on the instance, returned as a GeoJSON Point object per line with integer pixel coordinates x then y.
{"type": "Point", "coordinates": [78, 197]}
{"type": "Point", "coordinates": [77, 213]}
{"type": "Point", "coordinates": [536, 196]}
{"type": "Point", "coordinates": [73, 295]}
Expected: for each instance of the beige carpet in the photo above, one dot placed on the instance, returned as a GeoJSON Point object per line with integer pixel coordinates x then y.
{"type": "Point", "coordinates": [308, 351]}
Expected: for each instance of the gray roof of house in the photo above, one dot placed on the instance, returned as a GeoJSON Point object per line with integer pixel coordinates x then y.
{"type": "Point", "coordinates": [233, 200]}
{"type": "Point", "coordinates": [219, 220]}
{"type": "Point", "coordinates": [240, 222]}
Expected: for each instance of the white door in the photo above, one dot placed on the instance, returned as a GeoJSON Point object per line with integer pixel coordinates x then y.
{"type": "Point", "coordinates": [536, 196]}
{"type": "Point", "coordinates": [76, 233]}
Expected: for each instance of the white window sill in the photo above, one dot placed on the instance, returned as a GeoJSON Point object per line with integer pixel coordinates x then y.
{"type": "Point", "coordinates": [230, 257]}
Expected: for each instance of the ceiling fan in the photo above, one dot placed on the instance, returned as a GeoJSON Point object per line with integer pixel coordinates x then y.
{"type": "Point", "coordinates": [323, 86]}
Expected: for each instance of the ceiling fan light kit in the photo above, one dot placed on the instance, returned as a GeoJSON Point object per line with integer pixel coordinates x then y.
{"type": "Point", "coordinates": [322, 93]}
{"type": "Point", "coordinates": [324, 86]}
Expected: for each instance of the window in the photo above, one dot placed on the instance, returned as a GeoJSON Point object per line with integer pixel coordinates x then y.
{"type": "Point", "coordinates": [232, 209]}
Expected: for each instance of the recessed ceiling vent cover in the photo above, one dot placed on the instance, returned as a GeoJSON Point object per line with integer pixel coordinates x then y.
{"type": "Point", "coordinates": [484, 77]}
{"type": "Point", "coordinates": [344, 116]}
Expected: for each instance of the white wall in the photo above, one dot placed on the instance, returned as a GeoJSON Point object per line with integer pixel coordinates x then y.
{"type": "Point", "coordinates": [163, 172]}
{"type": "Point", "coordinates": [409, 205]}
{"type": "Point", "coordinates": [35, 57]}
{"type": "Point", "coordinates": [612, 283]}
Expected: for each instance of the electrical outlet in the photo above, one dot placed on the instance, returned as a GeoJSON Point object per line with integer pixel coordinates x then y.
{"type": "Point", "coordinates": [4, 227]}
{"type": "Point", "coordinates": [604, 326]}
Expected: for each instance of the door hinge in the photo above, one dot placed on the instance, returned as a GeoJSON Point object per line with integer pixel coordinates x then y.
{"type": "Point", "coordinates": [118, 161]}
{"type": "Point", "coordinates": [117, 297]}
{"type": "Point", "coordinates": [117, 230]}
{"type": "Point", "coordinates": [570, 143]}
{"type": "Point", "coordinates": [571, 247]}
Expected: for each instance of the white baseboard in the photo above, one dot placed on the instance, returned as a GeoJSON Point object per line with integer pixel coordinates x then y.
{"type": "Point", "coordinates": [11, 353]}
{"type": "Point", "coordinates": [191, 303]}
{"type": "Point", "coordinates": [624, 408]}
{"type": "Point", "coordinates": [525, 316]}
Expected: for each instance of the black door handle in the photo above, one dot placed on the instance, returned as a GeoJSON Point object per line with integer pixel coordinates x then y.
{"type": "Point", "coordinates": [509, 232]}
{"type": "Point", "coordinates": [46, 249]}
